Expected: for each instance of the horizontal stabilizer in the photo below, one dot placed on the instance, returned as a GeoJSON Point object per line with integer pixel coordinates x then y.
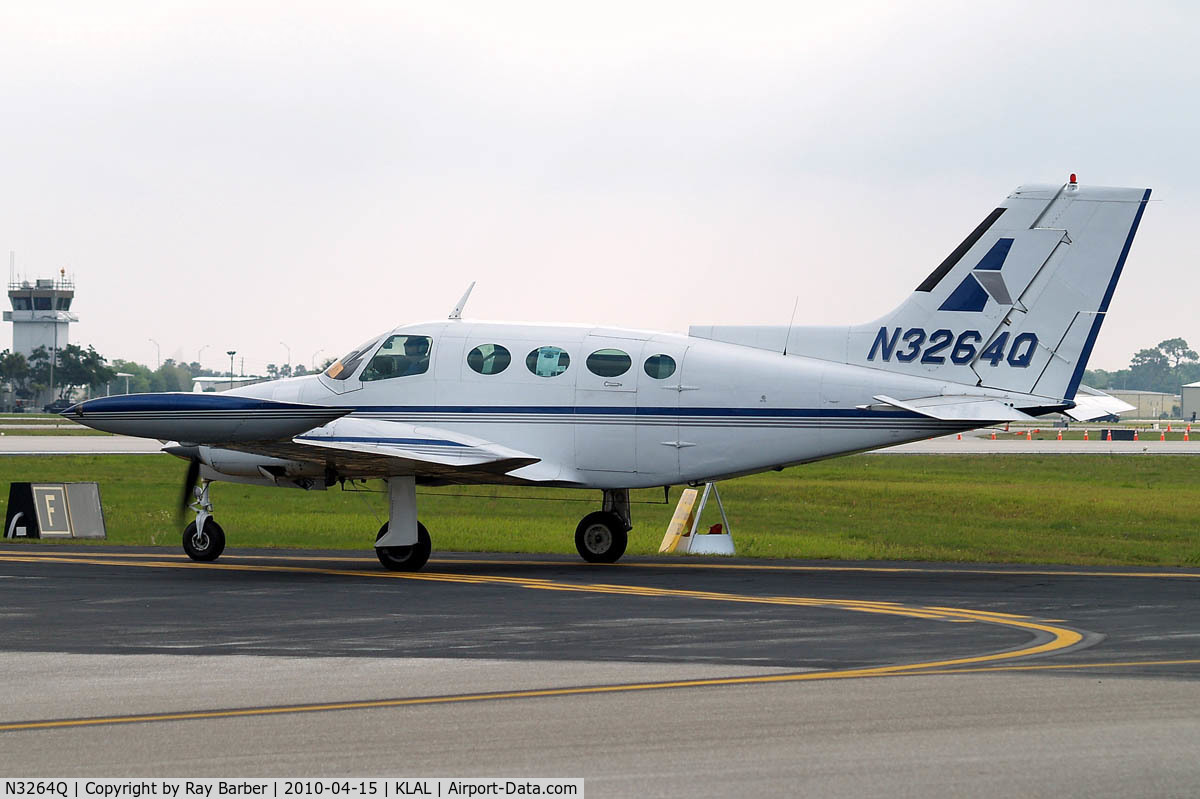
{"type": "Point", "coordinates": [957, 408]}
{"type": "Point", "coordinates": [1092, 403]}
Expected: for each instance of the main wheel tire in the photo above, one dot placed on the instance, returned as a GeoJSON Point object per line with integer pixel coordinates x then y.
{"type": "Point", "coordinates": [405, 559]}
{"type": "Point", "coordinates": [601, 537]}
{"type": "Point", "coordinates": [208, 545]}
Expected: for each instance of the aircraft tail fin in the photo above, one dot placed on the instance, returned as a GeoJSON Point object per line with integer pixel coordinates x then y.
{"type": "Point", "coordinates": [1015, 308]}
{"type": "Point", "coordinates": [1018, 305]}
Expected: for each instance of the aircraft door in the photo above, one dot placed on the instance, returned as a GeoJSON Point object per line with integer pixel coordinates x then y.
{"type": "Point", "coordinates": [606, 404]}
{"type": "Point", "coordinates": [660, 385]}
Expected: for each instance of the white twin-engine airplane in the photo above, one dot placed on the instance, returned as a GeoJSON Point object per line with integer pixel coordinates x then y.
{"type": "Point", "coordinates": [1000, 331]}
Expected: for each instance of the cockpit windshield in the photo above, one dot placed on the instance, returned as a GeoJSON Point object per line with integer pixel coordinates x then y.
{"type": "Point", "coordinates": [343, 367]}
{"type": "Point", "coordinates": [400, 356]}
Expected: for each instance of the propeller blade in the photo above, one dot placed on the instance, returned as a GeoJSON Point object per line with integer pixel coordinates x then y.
{"type": "Point", "coordinates": [189, 485]}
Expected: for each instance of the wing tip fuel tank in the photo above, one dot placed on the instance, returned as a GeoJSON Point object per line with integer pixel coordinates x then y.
{"type": "Point", "coordinates": [201, 418]}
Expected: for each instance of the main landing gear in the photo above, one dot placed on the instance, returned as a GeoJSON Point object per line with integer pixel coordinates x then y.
{"type": "Point", "coordinates": [602, 536]}
{"type": "Point", "coordinates": [403, 543]}
{"type": "Point", "coordinates": [203, 539]}
{"type": "Point", "coordinates": [405, 558]}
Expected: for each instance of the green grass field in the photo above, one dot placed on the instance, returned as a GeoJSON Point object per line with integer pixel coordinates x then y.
{"type": "Point", "coordinates": [1085, 509]}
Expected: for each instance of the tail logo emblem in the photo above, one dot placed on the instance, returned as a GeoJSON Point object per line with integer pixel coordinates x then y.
{"type": "Point", "coordinates": [982, 282]}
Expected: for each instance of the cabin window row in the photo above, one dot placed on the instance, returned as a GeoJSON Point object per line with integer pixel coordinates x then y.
{"type": "Point", "coordinates": [404, 356]}
{"type": "Point", "coordinates": [550, 361]}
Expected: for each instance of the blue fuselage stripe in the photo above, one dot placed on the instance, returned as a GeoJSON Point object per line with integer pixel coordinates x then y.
{"type": "Point", "coordinates": [372, 440]}
{"type": "Point", "coordinates": [601, 410]}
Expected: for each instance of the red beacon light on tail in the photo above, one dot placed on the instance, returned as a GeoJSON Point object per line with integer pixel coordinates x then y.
{"type": "Point", "coordinates": [1073, 183]}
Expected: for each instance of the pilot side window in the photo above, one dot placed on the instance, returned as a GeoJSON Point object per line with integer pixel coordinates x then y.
{"type": "Point", "coordinates": [547, 361]}
{"type": "Point", "coordinates": [489, 359]}
{"type": "Point", "coordinates": [400, 356]}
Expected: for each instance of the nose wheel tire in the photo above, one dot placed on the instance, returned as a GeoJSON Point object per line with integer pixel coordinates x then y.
{"type": "Point", "coordinates": [405, 559]}
{"type": "Point", "coordinates": [601, 537]}
{"type": "Point", "coordinates": [206, 545]}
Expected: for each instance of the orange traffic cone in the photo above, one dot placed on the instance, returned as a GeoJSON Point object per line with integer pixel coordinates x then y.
{"type": "Point", "coordinates": [1163, 436]}
{"type": "Point", "coordinates": [1060, 435]}
{"type": "Point", "coordinates": [1028, 435]}
{"type": "Point", "coordinates": [1168, 427]}
{"type": "Point", "coordinates": [1135, 436]}
{"type": "Point", "coordinates": [993, 435]}
{"type": "Point", "coordinates": [1085, 437]}
{"type": "Point", "coordinates": [1109, 436]}
{"type": "Point", "coordinates": [960, 436]}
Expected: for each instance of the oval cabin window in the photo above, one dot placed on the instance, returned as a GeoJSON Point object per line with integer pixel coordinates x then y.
{"type": "Point", "coordinates": [660, 367]}
{"type": "Point", "coordinates": [489, 359]}
{"type": "Point", "coordinates": [548, 361]}
{"type": "Point", "coordinates": [609, 363]}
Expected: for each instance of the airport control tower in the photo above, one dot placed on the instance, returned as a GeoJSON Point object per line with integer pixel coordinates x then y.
{"type": "Point", "coordinates": [41, 314]}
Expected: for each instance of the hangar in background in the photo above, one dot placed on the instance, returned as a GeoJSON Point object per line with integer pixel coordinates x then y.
{"type": "Point", "coordinates": [1190, 400]}
{"type": "Point", "coordinates": [1147, 404]}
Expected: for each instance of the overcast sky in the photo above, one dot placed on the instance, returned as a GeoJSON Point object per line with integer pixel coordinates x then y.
{"type": "Point", "coordinates": [236, 175]}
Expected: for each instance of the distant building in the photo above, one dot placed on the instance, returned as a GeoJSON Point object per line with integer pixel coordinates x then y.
{"type": "Point", "coordinates": [41, 317]}
{"type": "Point", "coordinates": [219, 383]}
{"type": "Point", "coordinates": [1190, 400]}
{"type": "Point", "coordinates": [1147, 404]}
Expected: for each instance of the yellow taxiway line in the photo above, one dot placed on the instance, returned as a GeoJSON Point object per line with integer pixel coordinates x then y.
{"type": "Point", "coordinates": [882, 671]}
{"type": "Point", "coordinates": [1055, 638]}
{"type": "Point", "coordinates": [679, 564]}
{"type": "Point", "coordinates": [1048, 637]}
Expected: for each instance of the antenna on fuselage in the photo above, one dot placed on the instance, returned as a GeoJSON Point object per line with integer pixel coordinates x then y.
{"type": "Point", "coordinates": [790, 323]}
{"type": "Point", "coordinates": [458, 309]}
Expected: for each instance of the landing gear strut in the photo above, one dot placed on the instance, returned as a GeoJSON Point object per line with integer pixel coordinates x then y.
{"type": "Point", "coordinates": [407, 546]}
{"type": "Point", "coordinates": [602, 536]}
{"type": "Point", "coordinates": [203, 539]}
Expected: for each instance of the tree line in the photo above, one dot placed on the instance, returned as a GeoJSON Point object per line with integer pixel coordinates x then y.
{"type": "Point", "coordinates": [74, 368]}
{"type": "Point", "coordinates": [1166, 368]}
{"type": "Point", "coordinates": [77, 368]}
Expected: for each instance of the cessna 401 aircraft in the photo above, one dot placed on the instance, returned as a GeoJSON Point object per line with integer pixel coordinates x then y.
{"type": "Point", "coordinates": [1001, 330]}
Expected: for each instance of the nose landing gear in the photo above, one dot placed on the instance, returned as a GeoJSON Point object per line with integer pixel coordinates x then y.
{"type": "Point", "coordinates": [203, 539]}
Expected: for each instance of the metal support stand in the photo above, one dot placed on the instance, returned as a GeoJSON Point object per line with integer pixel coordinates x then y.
{"type": "Point", "coordinates": [710, 543]}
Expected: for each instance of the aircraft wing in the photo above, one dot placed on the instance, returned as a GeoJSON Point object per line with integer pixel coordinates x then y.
{"type": "Point", "coordinates": [357, 447]}
{"type": "Point", "coordinates": [964, 408]}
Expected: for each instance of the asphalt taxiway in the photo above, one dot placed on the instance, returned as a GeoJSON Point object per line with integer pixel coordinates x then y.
{"type": "Point", "coordinates": [652, 677]}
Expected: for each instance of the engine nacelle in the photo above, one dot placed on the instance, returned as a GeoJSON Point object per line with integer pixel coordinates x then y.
{"type": "Point", "coordinates": [243, 467]}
